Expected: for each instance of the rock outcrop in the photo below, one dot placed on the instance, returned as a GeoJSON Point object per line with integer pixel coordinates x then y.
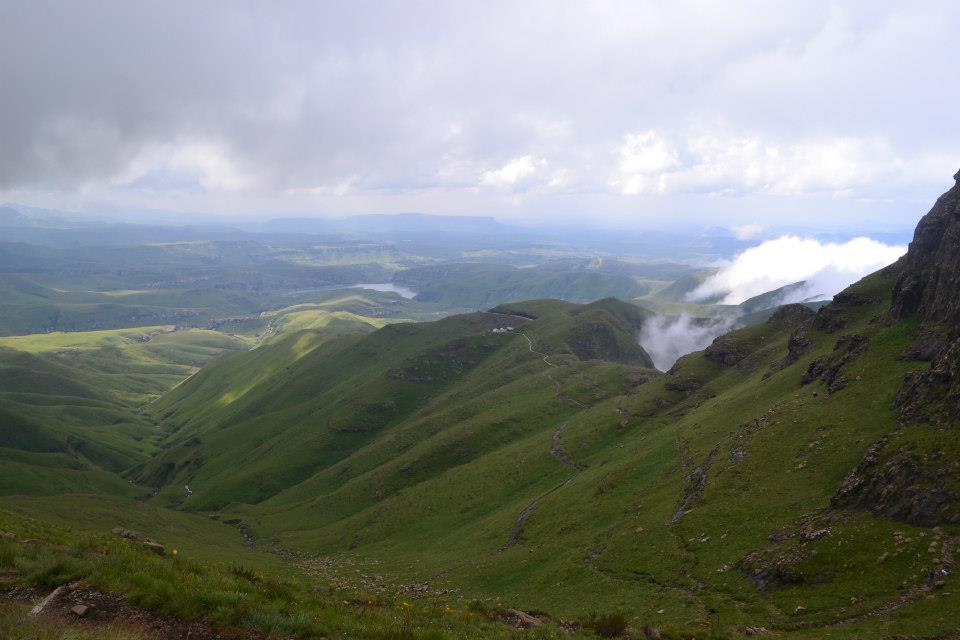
{"type": "Point", "coordinates": [933, 396]}
{"type": "Point", "coordinates": [925, 346]}
{"type": "Point", "coordinates": [929, 285]}
{"type": "Point", "coordinates": [912, 474]}
{"type": "Point", "coordinates": [897, 482]}
{"type": "Point", "coordinates": [929, 282]}
{"type": "Point", "coordinates": [136, 536]}
{"type": "Point", "coordinates": [830, 368]}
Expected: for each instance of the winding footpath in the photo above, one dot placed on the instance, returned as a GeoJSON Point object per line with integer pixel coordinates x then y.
{"type": "Point", "coordinates": [564, 458]}
{"type": "Point", "coordinates": [546, 374]}
{"type": "Point", "coordinates": [926, 589]}
{"type": "Point", "coordinates": [555, 450]}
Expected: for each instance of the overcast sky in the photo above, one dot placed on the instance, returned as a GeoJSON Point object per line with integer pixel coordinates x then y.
{"type": "Point", "coordinates": [740, 114]}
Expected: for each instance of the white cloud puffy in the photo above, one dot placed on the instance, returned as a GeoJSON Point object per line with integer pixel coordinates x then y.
{"type": "Point", "coordinates": [512, 173]}
{"type": "Point", "coordinates": [645, 160]}
{"type": "Point", "coordinates": [826, 267]}
{"type": "Point", "coordinates": [736, 165]}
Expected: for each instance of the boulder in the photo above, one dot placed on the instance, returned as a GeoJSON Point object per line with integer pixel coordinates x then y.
{"type": "Point", "coordinates": [129, 534]}
{"type": "Point", "coordinates": [830, 368]}
{"type": "Point", "coordinates": [156, 547]}
{"type": "Point", "coordinates": [136, 536]}
{"type": "Point", "coordinates": [525, 619]}
{"type": "Point", "coordinates": [933, 396]}
{"type": "Point", "coordinates": [892, 482]}
{"type": "Point", "coordinates": [42, 606]}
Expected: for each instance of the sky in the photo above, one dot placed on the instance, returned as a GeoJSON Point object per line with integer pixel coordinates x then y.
{"type": "Point", "coordinates": [746, 115]}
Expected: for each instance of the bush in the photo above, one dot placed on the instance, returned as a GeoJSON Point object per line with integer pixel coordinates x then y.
{"type": "Point", "coordinates": [607, 625]}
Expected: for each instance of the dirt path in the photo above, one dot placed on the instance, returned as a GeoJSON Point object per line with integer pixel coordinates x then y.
{"type": "Point", "coordinates": [523, 319]}
{"type": "Point", "coordinates": [546, 374]}
{"type": "Point", "coordinates": [564, 458]}
{"type": "Point", "coordinates": [517, 527]}
{"type": "Point", "coordinates": [558, 453]}
{"type": "Point", "coordinates": [546, 358]}
{"type": "Point", "coordinates": [555, 450]}
{"type": "Point", "coordinates": [943, 566]}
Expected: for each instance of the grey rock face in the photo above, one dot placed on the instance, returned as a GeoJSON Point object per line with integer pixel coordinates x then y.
{"type": "Point", "coordinates": [929, 283]}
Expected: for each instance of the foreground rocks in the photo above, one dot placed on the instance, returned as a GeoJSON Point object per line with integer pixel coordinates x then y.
{"type": "Point", "coordinates": [136, 536]}
{"type": "Point", "coordinates": [78, 604]}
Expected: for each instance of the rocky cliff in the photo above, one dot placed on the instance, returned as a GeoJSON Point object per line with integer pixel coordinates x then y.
{"type": "Point", "coordinates": [929, 282]}
{"type": "Point", "coordinates": [913, 473]}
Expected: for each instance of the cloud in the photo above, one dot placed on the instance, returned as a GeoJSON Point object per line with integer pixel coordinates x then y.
{"type": "Point", "coordinates": [416, 105]}
{"type": "Point", "coordinates": [666, 338]}
{"type": "Point", "coordinates": [825, 267]}
{"type": "Point", "coordinates": [747, 231]}
{"type": "Point", "coordinates": [728, 165]}
{"type": "Point", "coordinates": [645, 161]}
{"type": "Point", "coordinates": [513, 172]}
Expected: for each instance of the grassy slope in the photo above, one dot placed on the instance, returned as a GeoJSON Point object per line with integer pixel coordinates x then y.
{"type": "Point", "coordinates": [458, 464]}
{"type": "Point", "coordinates": [235, 596]}
{"type": "Point", "coordinates": [255, 437]}
{"type": "Point", "coordinates": [70, 418]}
{"type": "Point", "coordinates": [302, 317]}
{"type": "Point", "coordinates": [411, 451]}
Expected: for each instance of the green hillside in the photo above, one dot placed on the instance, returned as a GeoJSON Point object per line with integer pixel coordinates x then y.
{"type": "Point", "coordinates": [481, 285]}
{"type": "Point", "coordinates": [248, 428]}
{"type": "Point", "coordinates": [549, 466]}
{"type": "Point", "coordinates": [71, 403]}
{"type": "Point", "coordinates": [797, 478]}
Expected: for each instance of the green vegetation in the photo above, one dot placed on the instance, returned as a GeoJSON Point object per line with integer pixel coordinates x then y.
{"type": "Point", "coordinates": [329, 465]}
{"type": "Point", "coordinates": [315, 316]}
{"type": "Point", "coordinates": [480, 286]}
{"type": "Point", "coordinates": [231, 598]}
{"type": "Point", "coordinates": [72, 403]}
{"type": "Point", "coordinates": [642, 492]}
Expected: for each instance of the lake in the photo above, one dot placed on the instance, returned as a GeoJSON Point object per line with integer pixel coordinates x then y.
{"type": "Point", "coordinates": [386, 287]}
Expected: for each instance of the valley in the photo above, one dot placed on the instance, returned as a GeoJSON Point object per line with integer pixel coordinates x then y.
{"type": "Point", "coordinates": [479, 321]}
{"type": "Point", "coordinates": [486, 460]}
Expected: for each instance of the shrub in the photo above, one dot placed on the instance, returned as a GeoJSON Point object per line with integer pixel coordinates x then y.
{"type": "Point", "coordinates": [607, 625]}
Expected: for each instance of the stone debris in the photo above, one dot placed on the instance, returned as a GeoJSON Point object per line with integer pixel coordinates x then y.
{"type": "Point", "coordinates": [524, 619]}
{"type": "Point", "coordinates": [136, 536]}
{"type": "Point", "coordinates": [44, 604]}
